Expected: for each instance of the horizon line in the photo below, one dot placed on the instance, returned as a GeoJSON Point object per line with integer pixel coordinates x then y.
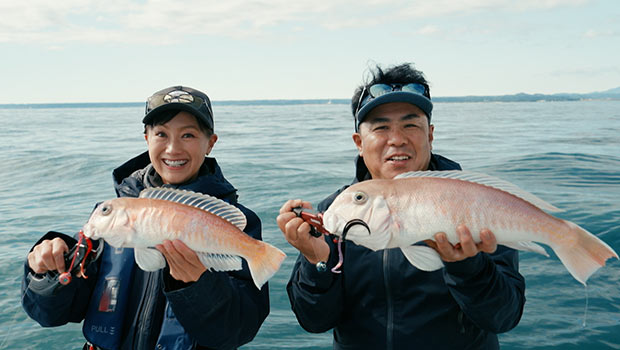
{"type": "Point", "coordinates": [489, 98]}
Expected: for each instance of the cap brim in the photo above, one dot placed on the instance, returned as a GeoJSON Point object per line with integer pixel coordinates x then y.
{"type": "Point", "coordinates": [417, 100]}
{"type": "Point", "coordinates": [152, 115]}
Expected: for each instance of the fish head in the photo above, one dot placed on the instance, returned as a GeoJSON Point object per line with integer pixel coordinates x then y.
{"type": "Point", "coordinates": [110, 221]}
{"type": "Point", "coordinates": [362, 216]}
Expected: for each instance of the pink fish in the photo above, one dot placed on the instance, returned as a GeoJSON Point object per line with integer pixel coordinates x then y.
{"type": "Point", "coordinates": [208, 225]}
{"type": "Point", "coordinates": [381, 214]}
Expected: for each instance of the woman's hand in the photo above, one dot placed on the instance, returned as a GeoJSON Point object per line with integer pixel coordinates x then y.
{"type": "Point", "coordinates": [48, 255]}
{"type": "Point", "coordinates": [183, 262]}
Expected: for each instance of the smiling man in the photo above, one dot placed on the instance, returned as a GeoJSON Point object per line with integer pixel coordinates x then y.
{"type": "Point", "coordinates": [380, 300]}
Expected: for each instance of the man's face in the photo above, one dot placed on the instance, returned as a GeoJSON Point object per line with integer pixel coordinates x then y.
{"type": "Point", "coordinates": [394, 138]}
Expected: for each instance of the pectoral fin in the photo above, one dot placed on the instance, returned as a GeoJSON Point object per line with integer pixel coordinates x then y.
{"type": "Point", "coordinates": [423, 257]}
{"type": "Point", "coordinates": [149, 259]}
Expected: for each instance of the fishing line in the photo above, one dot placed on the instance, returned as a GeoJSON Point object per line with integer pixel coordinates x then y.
{"type": "Point", "coordinates": [585, 312]}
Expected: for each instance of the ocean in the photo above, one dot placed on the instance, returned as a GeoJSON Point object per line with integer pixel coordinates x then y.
{"type": "Point", "coordinates": [57, 163]}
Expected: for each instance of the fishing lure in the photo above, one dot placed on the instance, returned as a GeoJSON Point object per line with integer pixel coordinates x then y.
{"type": "Point", "coordinates": [315, 220]}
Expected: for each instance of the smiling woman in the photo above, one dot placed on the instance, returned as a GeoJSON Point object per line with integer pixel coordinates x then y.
{"type": "Point", "coordinates": [119, 294]}
{"type": "Point", "coordinates": [177, 147]}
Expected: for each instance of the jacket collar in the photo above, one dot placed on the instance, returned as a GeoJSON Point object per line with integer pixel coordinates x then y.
{"type": "Point", "coordinates": [210, 179]}
{"type": "Point", "coordinates": [437, 162]}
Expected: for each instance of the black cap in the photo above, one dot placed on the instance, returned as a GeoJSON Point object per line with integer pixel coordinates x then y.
{"type": "Point", "coordinates": [180, 98]}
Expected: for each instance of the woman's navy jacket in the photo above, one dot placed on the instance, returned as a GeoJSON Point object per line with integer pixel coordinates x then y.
{"type": "Point", "coordinates": [381, 301]}
{"type": "Point", "coordinates": [222, 310]}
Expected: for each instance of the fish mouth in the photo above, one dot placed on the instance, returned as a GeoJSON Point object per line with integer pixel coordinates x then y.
{"type": "Point", "coordinates": [89, 232]}
{"type": "Point", "coordinates": [350, 224]}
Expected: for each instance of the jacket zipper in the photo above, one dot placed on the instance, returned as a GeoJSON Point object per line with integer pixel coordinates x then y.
{"type": "Point", "coordinates": [146, 310]}
{"type": "Point", "coordinates": [390, 308]}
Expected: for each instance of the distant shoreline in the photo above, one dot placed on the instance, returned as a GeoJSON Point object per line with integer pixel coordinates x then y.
{"type": "Point", "coordinates": [602, 96]}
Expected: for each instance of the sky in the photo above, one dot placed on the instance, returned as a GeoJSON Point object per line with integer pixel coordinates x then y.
{"type": "Point", "coordinates": [124, 50]}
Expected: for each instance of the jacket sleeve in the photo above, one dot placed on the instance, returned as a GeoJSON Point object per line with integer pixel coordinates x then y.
{"type": "Point", "coordinates": [316, 297]}
{"type": "Point", "coordinates": [489, 289]}
{"type": "Point", "coordinates": [222, 310]}
{"type": "Point", "coordinates": [48, 302]}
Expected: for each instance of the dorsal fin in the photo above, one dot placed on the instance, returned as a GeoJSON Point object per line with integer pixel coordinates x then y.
{"type": "Point", "coordinates": [485, 180]}
{"type": "Point", "coordinates": [199, 200]}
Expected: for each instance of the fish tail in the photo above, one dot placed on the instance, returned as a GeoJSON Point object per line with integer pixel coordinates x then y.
{"type": "Point", "coordinates": [264, 262]}
{"type": "Point", "coordinates": [582, 252]}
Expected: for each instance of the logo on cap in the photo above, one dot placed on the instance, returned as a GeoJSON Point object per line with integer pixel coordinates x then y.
{"type": "Point", "coordinates": [178, 96]}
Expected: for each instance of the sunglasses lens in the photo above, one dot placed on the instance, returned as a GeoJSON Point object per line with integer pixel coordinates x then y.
{"type": "Point", "coordinates": [379, 89]}
{"type": "Point", "coordinates": [414, 88]}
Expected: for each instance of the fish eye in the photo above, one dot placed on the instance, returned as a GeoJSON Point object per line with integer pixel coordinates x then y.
{"type": "Point", "coordinates": [360, 197]}
{"type": "Point", "coordinates": [106, 209]}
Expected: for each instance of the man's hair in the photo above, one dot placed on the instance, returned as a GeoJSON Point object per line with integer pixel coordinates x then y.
{"type": "Point", "coordinates": [403, 73]}
{"type": "Point", "coordinates": [167, 116]}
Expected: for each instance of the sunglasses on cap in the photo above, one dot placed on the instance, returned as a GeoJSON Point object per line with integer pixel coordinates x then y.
{"type": "Point", "coordinates": [377, 90]}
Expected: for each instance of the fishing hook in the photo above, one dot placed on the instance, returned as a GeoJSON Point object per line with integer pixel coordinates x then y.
{"type": "Point", "coordinates": [352, 223]}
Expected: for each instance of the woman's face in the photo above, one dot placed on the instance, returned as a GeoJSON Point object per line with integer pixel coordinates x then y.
{"type": "Point", "coordinates": [177, 148]}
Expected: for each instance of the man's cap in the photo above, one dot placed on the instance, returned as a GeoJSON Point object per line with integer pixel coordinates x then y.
{"type": "Point", "coordinates": [418, 100]}
{"type": "Point", "coordinates": [181, 98]}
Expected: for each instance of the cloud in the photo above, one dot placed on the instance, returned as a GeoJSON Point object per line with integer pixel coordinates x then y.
{"type": "Point", "coordinates": [593, 33]}
{"type": "Point", "coordinates": [586, 72]}
{"type": "Point", "coordinates": [165, 21]}
{"type": "Point", "coordinates": [437, 8]}
{"type": "Point", "coordinates": [428, 30]}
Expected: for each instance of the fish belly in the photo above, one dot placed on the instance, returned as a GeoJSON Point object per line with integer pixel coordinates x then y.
{"type": "Point", "coordinates": [441, 206]}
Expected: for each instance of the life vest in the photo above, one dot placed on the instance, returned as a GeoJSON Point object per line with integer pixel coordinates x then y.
{"type": "Point", "coordinates": [103, 323]}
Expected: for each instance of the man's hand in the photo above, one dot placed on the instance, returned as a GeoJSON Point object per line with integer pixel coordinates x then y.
{"type": "Point", "coordinates": [297, 232]}
{"type": "Point", "coordinates": [183, 262]}
{"type": "Point", "coordinates": [466, 247]}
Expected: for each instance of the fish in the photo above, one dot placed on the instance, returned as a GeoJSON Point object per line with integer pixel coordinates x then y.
{"type": "Point", "coordinates": [207, 225]}
{"type": "Point", "coordinates": [411, 208]}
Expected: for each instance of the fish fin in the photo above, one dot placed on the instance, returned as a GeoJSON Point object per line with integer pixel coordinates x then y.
{"type": "Point", "coordinates": [220, 262]}
{"type": "Point", "coordinates": [199, 200]}
{"type": "Point", "coordinates": [581, 252]}
{"type": "Point", "coordinates": [115, 241]}
{"type": "Point", "coordinates": [485, 180]}
{"type": "Point", "coordinates": [423, 257]}
{"type": "Point", "coordinates": [527, 246]}
{"type": "Point", "coordinates": [264, 262]}
{"type": "Point", "coordinates": [149, 259]}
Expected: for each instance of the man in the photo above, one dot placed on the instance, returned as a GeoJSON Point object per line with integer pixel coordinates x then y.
{"type": "Point", "coordinates": [381, 301]}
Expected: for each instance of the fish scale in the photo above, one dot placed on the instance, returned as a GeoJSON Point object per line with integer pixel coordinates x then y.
{"type": "Point", "coordinates": [414, 206]}
{"type": "Point", "coordinates": [167, 214]}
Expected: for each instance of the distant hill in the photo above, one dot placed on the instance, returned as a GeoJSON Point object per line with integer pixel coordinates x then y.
{"type": "Point", "coordinates": [611, 94]}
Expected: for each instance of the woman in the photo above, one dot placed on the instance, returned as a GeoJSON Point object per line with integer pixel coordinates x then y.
{"type": "Point", "coordinates": [182, 306]}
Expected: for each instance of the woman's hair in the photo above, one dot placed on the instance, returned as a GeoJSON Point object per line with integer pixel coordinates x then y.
{"type": "Point", "coordinates": [165, 116]}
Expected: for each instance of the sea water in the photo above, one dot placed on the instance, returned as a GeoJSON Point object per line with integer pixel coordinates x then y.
{"type": "Point", "coordinates": [56, 163]}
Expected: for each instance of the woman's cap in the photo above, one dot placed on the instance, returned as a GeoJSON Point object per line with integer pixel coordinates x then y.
{"type": "Point", "coordinates": [180, 98]}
